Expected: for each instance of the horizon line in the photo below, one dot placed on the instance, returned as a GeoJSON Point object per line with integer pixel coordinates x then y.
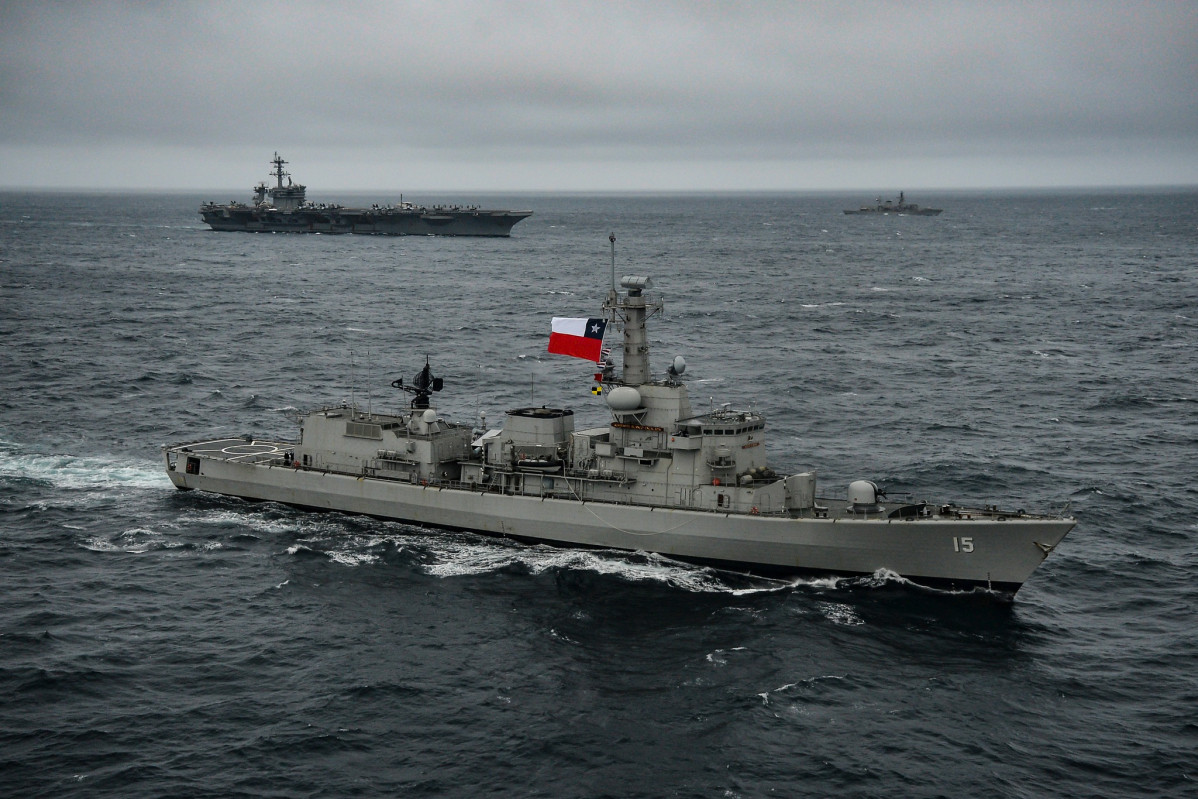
{"type": "Point", "coordinates": [625, 190]}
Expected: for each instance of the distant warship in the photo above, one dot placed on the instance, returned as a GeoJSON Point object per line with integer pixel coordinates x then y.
{"type": "Point", "coordinates": [661, 477]}
{"type": "Point", "coordinates": [901, 208]}
{"type": "Point", "coordinates": [284, 209]}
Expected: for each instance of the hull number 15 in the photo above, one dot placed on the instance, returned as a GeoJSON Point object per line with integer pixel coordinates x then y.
{"type": "Point", "coordinates": [962, 544]}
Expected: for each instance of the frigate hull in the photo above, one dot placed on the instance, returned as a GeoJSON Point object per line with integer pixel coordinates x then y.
{"type": "Point", "coordinates": [959, 551]}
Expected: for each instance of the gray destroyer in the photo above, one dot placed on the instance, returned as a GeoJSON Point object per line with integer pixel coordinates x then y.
{"type": "Point", "coordinates": [658, 477]}
{"type": "Point", "coordinates": [900, 208]}
{"type": "Point", "coordinates": [285, 209]}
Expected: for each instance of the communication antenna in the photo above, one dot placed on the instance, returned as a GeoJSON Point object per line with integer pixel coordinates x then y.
{"type": "Point", "coordinates": [478, 398]}
{"type": "Point", "coordinates": [612, 239]}
{"type": "Point", "coordinates": [423, 385]}
{"type": "Point", "coordinates": [369, 408]}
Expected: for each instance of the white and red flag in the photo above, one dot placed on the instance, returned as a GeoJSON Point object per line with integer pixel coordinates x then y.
{"type": "Point", "coordinates": [578, 338]}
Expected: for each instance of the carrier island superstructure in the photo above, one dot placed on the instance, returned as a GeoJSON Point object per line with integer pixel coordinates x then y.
{"type": "Point", "coordinates": [658, 477]}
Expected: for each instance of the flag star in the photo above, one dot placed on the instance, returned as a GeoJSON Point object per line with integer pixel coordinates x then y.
{"type": "Point", "coordinates": [595, 328]}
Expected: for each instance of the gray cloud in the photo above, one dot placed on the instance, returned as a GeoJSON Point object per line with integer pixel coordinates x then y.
{"type": "Point", "coordinates": [574, 96]}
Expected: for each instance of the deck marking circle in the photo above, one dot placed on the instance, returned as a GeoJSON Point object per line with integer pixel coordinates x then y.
{"type": "Point", "coordinates": [250, 449]}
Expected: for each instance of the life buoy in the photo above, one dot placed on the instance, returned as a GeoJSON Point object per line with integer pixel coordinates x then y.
{"type": "Point", "coordinates": [754, 510]}
{"type": "Point", "coordinates": [715, 481]}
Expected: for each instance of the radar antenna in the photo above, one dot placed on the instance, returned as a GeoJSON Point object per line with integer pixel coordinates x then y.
{"type": "Point", "coordinates": [278, 172]}
{"type": "Point", "coordinates": [423, 385]}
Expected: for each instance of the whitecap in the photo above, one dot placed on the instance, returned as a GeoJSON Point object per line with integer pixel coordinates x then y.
{"type": "Point", "coordinates": [76, 472]}
{"type": "Point", "coordinates": [352, 558]}
{"type": "Point", "coordinates": [839, 613]}
{"type": "Point", "coordinates": [100, 545]}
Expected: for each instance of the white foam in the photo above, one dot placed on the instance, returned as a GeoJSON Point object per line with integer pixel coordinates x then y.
{"type": "Point", "coordinates": [139, 540]}
{"type": "Point", "coordinates": [346, 550]}
{"type": "Point", "coordinates": [450, 555]}
{"type": "Point", "coordinates": [807, 683]}
{"type": "Point", "coordinates": [100, 545]}
{"type": "Point", "coordinates": [469, 558]}
{"type": "Point", "coordinates": [464, 555]}
{"type": "Point", "coordinates": [838, 613]}
{"type": "Point", "coordinates": [352, 558]}
{"type": "Point", "coordinates": [254, 523]}
{"type": "Point", "coordinates": [719, 657]}
{"type": "Point", "coordinates": [75, 472]}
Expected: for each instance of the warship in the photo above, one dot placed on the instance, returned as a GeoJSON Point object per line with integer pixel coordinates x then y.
{"type": "Point", "coordinates": [283, 208]}
{"type": "Point", "coordinates": [658, 477]}
{"type": "Point", "coordinates": [901, 208]}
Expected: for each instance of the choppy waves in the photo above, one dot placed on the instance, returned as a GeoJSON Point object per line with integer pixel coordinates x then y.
{"type": "Point", "coordinates": [156, 642]}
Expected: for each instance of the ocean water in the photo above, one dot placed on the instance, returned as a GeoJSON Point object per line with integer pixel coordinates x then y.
{"type": "Point", "coordinates": [1036, 350]}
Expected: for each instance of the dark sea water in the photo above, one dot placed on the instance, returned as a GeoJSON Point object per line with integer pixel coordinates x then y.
{"type": "Point", "coordinates": [1036, 350]}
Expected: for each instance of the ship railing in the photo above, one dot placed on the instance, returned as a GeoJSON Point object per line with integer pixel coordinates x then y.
{"type": "Point", "coordinates": [254, 457]}
{"type": "Point", "coordinates": [268, 458]}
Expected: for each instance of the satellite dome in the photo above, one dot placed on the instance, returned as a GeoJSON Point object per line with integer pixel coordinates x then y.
{"type": "Point", "coordinates": [624, 398]}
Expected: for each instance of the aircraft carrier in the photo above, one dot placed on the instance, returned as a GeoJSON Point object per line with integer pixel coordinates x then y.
{"type": "Point", "coordinates": [283, 208]}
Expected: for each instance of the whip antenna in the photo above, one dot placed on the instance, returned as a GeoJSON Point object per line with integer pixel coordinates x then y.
{"type": "Point", "coordinates": [612, 239]}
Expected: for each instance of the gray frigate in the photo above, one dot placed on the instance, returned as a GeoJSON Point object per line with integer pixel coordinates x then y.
{"type": "Point", "coordinates": [284, 208]}
{"type": "Point", "coordinates": [660, 476]}
{"type": "Point", "coordinates": [900, 208]}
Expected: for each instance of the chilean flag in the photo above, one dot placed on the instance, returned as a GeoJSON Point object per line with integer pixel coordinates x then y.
{"type": "Point", "coordinates": [578, 338]}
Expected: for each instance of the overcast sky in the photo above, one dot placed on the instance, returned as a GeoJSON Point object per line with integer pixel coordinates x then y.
{"type": "Point", "coordinates": [582, 96]}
